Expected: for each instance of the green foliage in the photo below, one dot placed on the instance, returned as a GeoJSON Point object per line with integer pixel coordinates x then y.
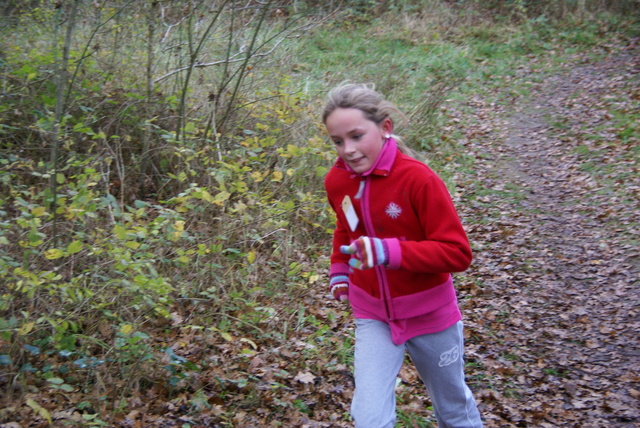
{"type": "Point", "coordinates": [106, 259]}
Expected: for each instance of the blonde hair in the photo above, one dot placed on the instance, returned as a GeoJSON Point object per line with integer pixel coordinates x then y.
{"type": "Point", "coordinates": [365, 98]}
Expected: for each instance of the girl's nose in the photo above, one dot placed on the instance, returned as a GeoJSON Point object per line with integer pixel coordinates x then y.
{"type": "Point", "coordinates": [349, 146]}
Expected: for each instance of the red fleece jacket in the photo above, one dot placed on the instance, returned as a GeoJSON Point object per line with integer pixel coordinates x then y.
{"type": "Point", "coordinates": [404, 202]}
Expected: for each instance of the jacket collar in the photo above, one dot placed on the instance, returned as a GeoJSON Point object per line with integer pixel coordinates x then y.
{"type": "Point", "coordinates": [382, 165]}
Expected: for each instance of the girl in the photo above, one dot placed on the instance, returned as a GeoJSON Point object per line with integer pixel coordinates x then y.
{"type": "Point", "coordinates": [397, 240]}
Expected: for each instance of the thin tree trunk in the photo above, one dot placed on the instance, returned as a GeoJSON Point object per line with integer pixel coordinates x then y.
{"type": "Point", "coordinates": [145, 160]}
{"type": "Point", "coordinates": [193, 60]}
{"type": "Point", "coordinates": [61, 87]}
{"type": "Point", "coordinates": [244, 68]}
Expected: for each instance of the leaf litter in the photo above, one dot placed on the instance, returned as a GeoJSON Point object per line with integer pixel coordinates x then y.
{"type": "Point", "coordinates": [552, 309]}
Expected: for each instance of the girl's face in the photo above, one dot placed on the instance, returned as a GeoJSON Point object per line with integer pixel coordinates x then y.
{"type": "Point", "coordinates": [358, 140]}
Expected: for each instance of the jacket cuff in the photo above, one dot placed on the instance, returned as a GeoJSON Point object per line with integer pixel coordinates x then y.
{"type": "Point", "coordinates": [395, 253]}
{"type": "Point", "coordinates": [339, 269]}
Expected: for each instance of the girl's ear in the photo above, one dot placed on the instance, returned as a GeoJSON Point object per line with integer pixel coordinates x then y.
{"type": "Point", "coordinates": [387, 126]}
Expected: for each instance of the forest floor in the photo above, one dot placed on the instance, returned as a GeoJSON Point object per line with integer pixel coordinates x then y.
{"type": "Point", "coordinates": [553, 315]}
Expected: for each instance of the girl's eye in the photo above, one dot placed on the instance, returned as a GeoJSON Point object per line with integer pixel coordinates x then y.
{"type": "Point", "coordinates": [337, 142]}
{"type": "Point", "coordinates": [357, 136]}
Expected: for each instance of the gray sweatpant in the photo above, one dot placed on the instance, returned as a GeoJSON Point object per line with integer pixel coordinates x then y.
{"type": "Point", "coordinates": [439, 361]}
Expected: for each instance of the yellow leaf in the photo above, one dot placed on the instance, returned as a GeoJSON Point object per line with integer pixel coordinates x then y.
{"type": "Point", "coordinates": [126, 329]}
{"type": "Point", "coordinates": [221, 197]}
{"type": "Point", "coordinates": [179, 225]}
{"type": "Point", "coordinates": [256, 176]}
{"type": "Point", "coordinates": [226, 336]}
{"type": "Point", "coordinates": [206, 196]}
{"type": "Point", "coordinates": [26, 328]}
{"type": "Point", "coordinates": [39, 410]}
{"type": "Point", "coordinates": [53, 254]}
{"type": "Point", "coordinates": [277, 176]}
{"type": "Point", "coordinates": [251, 257]}
{"type": "Point", "coordinates": [39, 211]}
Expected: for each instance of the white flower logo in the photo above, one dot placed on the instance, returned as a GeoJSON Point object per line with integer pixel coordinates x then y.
{"type": "Point", "coordinates": [393, 210]}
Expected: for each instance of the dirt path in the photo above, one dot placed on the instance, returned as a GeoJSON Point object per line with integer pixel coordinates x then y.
{"type": "Point", "coordinates": [557, 275]}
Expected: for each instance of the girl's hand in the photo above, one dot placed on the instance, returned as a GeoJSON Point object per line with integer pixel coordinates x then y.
{"type": "Point", "coordinates": [368, 252]}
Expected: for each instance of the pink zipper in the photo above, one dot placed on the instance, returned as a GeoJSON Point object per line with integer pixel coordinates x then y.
{"type": "Point", "coordinates": [368, 226]}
